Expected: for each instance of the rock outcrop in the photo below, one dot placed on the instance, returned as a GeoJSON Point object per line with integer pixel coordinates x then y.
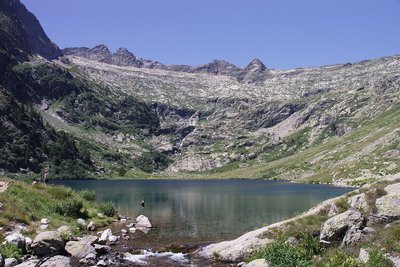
{"type": "Point", "coordinates": [47, 243]}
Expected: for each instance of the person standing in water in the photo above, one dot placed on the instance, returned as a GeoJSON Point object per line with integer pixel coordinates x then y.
{"type": "Point", "coordinates": [46, 175]}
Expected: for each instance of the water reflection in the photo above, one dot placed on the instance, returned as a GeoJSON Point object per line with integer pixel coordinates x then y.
{"type": "Point", "coordinates": [198, 211]}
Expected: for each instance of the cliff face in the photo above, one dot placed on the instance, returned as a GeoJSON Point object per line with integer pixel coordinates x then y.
{"type": "Point", "coordinates": [21, 33]}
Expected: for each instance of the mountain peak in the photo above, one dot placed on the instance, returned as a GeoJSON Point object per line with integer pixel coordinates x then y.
{"type": "Point", "coordinates": [256, 64]}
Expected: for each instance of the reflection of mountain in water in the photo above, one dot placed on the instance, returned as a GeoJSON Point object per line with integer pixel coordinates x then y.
{"type": "Point", "coordinates": [196, 211]}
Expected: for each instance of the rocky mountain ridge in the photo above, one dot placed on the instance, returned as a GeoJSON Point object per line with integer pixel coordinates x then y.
{"type": "Point", "coordinates": [254, 72]}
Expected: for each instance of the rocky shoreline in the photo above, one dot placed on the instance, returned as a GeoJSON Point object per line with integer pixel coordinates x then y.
{"type": "Point", "coordinates": [351, 220]}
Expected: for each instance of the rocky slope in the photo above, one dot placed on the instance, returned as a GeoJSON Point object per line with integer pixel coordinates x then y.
{"type": "Point", "coordinates": [137, 117]}
{"type": "Point", "coordinates": [351, 229]}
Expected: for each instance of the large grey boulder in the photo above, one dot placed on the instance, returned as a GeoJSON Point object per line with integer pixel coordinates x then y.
{"type": "Point", "coordinates": [335, 228]}
{"type": "Point", "coordinates": [142, 222]}
{"type": "Point", "coordinates": [47, 243]}
{"type": "Point", "coordinates": [57, 261]}
{"type": "Point", "coordinates": [66, 233]}
{"type": "Point", "coordinates": [389, 205]}
{"type": "Point", "coordinates": [10, 262]}
{"type": "Point", "coordinates": [79, 250]}
{"type": "Point", "coordinates": [16, 239]}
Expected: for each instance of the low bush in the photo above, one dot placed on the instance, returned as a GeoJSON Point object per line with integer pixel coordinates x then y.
{"type": "Point", "coordinates": [70, 207]}
{"type": "Point", "coordinates": [107, 208]}
{"type": "Point", "coordinates": [10, 250]}
{"type": "Point", "coordinates": [88, 195]}
{"type": "Point", "coordinates": [339, 259]}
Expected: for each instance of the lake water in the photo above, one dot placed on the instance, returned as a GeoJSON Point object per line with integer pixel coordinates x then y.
{"type": "Point", "coordinates": [190, 212]}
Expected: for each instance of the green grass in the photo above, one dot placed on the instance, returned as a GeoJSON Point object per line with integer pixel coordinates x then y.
{"type": "Point", "coordinates": [24, 203]}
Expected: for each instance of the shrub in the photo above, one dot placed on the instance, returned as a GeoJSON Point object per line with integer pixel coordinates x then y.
{"type": "Point", "coordinates": [88, 195]}
{"type": "Point", "coordinates": [70, 207]}
{"type": "Point", "coordinates": [107, 208]}
{"type": "Point", "coordinates": [377, 259]}
{"type": "Point", "coordinates": [10, 250]}
{"type": "Point", "coordinates": [340, 259]}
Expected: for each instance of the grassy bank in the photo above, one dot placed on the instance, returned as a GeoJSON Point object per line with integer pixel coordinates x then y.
{"type": "Point", "coordinates": [26, 204]}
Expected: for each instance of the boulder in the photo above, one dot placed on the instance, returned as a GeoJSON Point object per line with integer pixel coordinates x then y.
{"type": "Point", "coordinates": [10, 262]}
{"type": "Point", "coordinates": [257, 263]}
{"type": "Point", "coordinates": [335, 228]}
{"type": "Point", "coordinates": [28, 243]}
{"type": "Point", "coordinates": [57, 261]}
{"type": "Point", "coordinates": [47, 243]}
{"type": "Point", "coordinates": [389, 205]}
{"type": "Point", "coordinates": [142, 222]}
{"type": "Point", "coordinates": [102, 249]}
{"type": "Point", "coordinates": [29, 263]}
{"type": "Point", "coordinates": [91, 227]}
{"type": "Point", "coordinates": [358, 202]}
{"type": "Point", "coordinates": [104, 236]}
{"type": "Point", "coordinates": [16, 239]}
{"type": "Point", "coordinates": [90, 239]}
{"type": "Point", "coordinates": [79, 249]}
{"type": "Point", "coordinates": [44, 221]}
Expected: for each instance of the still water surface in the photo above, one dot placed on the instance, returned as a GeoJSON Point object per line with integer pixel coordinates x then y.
{"type": "Point", "coordinates": [202, 211]}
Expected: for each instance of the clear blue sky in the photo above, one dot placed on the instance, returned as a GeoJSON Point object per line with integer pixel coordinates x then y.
{"type": "Point", "coordinates": [282, 33]}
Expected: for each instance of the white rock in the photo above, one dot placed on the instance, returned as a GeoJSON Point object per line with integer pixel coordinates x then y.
{"type": "Point", "coordinates": [43, 227]}
{"type": "Point", "coordinates": [132, 230]}
{"type": "Point", "coordinates": [44, 221]}
{"type": "Point", "coordinates": [16, 239]}
{"type": "Point", "coordinates": [358, 202]}
{"type": "Point", "coordinates": [257, 263]}
{"type": "Point", "coordinates": [104, 236]}
{"type": "Point", "coordinates": [101, 263]}
{"type": "Point", "coordinates": [91, 257]}
{"type": "Point", "coordinates": [122, 220]}
{"type": "Point", "coordinates": [142, 222]}
{"type": "Point", "coordinates": [364, 255]}
{"type": "Point", "coordinates": [130, 225]}
{"type": "Point", "coordinates": [124, 231]}
{"type": "Point", "coordinates": [91, 227]}
{"type": "Point", "coordinates": [113, 239]}
{"type": "Point", "coordinates": [10, 262]}
{"type": "Point", "coordinates": [81, 221]}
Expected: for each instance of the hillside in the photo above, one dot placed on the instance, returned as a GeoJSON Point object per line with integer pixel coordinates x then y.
{"type": "Point", "coordinates": [118, 115]}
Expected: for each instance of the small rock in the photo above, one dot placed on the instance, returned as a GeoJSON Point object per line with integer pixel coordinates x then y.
{"type": "Point", "coordinates": [132, 230]}
{"type": "Point", "coordinates": [126, 237]}
{"type": "Point", "coordinates": [130, 225]}
{"type": "Point", "coordinates": [81, 222]}
{"type": "Point", "coordinates": [44, 221]}
{"type": "Point", "coordinates": [364, 255]}
{"type": "Point", "coordinates": [358, 202]}
{"type": "Point", "coordinates": [90, 257]}
{"type": "Point", "coordinates": [101, 263]}
{"type": "Point", "coordinates": [10, 262]}
{"type": "Point", "coordinates": [91, 227]}
{"type": "Point", "coordinates": [113, 239]}
{"type": "Point", "coordinates": [257, 263]}
{"type": "Point", "coordinates": [124, 231]}
{"type": "Point", "coordinates": [47, 243]}
{"type": "Point", "coordinates": [142, 222]}
{"type": "Point", "coordinates": [28, 243]}
{"type": "Point", "coordinates": [292, 241]}
{"type": "Point", "coordinates": [16, 239]}
{"type": "Point", "coordinates": [122, 220]}
{"type": "Point", "coordinates": [104, 236]}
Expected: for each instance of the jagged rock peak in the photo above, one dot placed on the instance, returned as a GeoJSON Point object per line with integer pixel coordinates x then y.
{"type": "Point", "coordinates": [256, 64]}
{"type": "Point", "coordinates": [101, 48]}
